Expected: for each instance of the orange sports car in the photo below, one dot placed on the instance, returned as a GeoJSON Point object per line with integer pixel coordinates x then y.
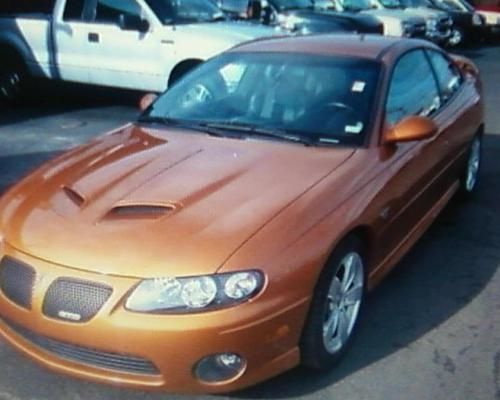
{"type": "Point", "coordinates": [231, 233]}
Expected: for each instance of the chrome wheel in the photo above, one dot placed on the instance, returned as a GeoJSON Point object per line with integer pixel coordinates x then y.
{"type": "Point", "coordinates": [343, 304]}
{"type": "Point", "coordinates": [473, 165]}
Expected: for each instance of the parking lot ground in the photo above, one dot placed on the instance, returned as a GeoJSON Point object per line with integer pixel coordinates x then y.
{"type": "Point", "coordinates": [431, 331]}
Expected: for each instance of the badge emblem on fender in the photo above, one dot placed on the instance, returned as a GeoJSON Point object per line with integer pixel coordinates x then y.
{"type": "Point", "coordinates": [69, 315]}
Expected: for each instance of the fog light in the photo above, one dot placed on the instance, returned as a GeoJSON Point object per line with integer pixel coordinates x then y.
{"type": "Point", "coordinates": [219, 367]}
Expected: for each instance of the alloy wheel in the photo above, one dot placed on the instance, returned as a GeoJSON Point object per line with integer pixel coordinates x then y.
{"type": "Point", "coordinates": [343, 302]}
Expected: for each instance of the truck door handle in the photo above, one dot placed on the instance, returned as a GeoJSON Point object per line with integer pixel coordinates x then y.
{"type": "Point", "coordinates": [93, 37]}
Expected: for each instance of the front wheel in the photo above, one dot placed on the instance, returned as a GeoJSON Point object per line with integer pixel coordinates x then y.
{"type": "Point", "coordinates": [13, 77]}
{"type": "Point", "coordinates": [470, 176]}
{"type": "Point", "coordinates": [335, 307]}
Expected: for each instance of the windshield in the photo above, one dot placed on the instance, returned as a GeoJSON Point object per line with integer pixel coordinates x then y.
{"type": "Point", "coordinates": [391, 3]}
{"type": "Point", "coordinates": [308, 98]}
{"type": "Point", "coordinates": [293, 4]}
{"type": "Point", "coordinates": [451, 5]}
{"type": "Point", "coordinates": [356, 5]}
{"type": "Point", "coordinates": [417, 3]}
{"type": "Point", "coordinates": [185, 11]}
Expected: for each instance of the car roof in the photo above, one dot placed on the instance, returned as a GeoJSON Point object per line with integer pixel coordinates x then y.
{"type": "Point", "coordinates": [365, 46]}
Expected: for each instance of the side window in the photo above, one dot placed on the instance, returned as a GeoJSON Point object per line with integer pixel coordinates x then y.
{"type": "Point", "coordinates": [111, 10]}
{"type": "Point", "coordinates": [448, 76]}
{"type": "Point", "coordinates": [413, 89]}
{"type": "Point", "coordinates": [73, 10]}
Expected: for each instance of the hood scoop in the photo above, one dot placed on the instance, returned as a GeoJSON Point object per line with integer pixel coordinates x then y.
{"type": "Point", "coordinates": [140, 211]}
{"type": "Point", "coordinates": [74, 196]}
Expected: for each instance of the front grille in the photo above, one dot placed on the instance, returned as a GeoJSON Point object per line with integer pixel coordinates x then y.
{"type": "Point", "coordinates": [100, 359]}
{"type": "Point", "coordinates": [444, 25]}
{"type": "Point", "coordinates": [419, 30]}
{"type": "Point", "coordinates": [16, 281]}
{"type": "Point", "coordinates": [75, 300]}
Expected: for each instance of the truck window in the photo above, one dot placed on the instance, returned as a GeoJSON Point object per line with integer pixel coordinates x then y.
{"type": "Point", "coordinates": [73, 10]}
{"type": "Point", "coordinates": [26, 6]}
{"type": "Point", "coordinates": [110, 10]}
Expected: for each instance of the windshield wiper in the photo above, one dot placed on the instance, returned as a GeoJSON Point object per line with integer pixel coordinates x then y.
{"type": "Point", "coordinates": [191, 125]}
{"type": "Point", "coordinates": [250, 129]}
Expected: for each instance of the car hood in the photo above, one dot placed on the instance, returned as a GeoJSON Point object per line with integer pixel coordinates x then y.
{"type": "Point", "coordinates": [145, 203]}
{"type": "Point", "coordinates": [395, 14]}
{"type": "Point", "coordinates": [427, 13]}
{"type": "Point", "coordinates": [214, 37]}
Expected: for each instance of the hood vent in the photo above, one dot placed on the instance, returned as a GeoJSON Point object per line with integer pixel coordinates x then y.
{"type": "Point", "coordinates": [140, 211]}
{"type": "Point", "coordinates": [74, 196]}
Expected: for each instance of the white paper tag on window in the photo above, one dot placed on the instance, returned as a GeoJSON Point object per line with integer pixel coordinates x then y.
{"type": "Point", "coordinates": [354, 129]}
{"type": "Point", "coordinates": [358, 86]}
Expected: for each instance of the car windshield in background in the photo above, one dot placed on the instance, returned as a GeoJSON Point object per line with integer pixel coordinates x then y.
{"type": "Point", "coordinates": [451, 5]}
{"type": "Point", "coordinates": [185, 11]}
{"type": "Point", "coordinates": [305, 98]}
{"type": "Point", "coordinates": [391, 3]}
{"type": "Point", "coordinates": [294, 4]}
{"type": "Point", "coordinates": [356, 5]}
{"type": "Point", "coordinates": [417, 3]}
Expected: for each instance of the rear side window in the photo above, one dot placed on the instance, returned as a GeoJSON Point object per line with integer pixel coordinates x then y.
{"type": "Point", "coordinates": [73, 10]}
{"type": "Point", "coordinates": [447, 74]}
{"type": "Point", "coordinates": [413, 89]}
{"type": "Point", "coordinates": [111, 10]}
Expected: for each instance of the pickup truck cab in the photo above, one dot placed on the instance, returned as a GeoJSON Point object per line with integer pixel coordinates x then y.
{"type": "Point", "coordinates": [136, 44]}
{"type": "Point", "coordinates": [438, 23]}
{"type": "Point", "coordinates": [396, 22]}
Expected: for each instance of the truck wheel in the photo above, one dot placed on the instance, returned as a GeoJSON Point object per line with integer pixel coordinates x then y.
{"type": "Point", "coordinates": [13, 77]}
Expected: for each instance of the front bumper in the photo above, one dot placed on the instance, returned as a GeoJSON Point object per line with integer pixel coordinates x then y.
{"type": "Point", "coordinates": [439, 36]}
{"type": "Point", "coordinates": [156, 352]}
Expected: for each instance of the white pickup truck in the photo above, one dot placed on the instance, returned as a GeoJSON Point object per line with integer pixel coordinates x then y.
{"type": "Point", "coordinates": [136, 44]}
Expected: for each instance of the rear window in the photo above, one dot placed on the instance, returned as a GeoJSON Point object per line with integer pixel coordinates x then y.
{"type": "Point", "coordinates": [26, 6]}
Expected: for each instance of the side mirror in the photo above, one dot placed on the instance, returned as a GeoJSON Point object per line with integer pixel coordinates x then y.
{"type": "Point", "coordinates": [465, 65]}
{"type": "Point", "coordinates": [146, 101]}
{"type": "Point", "coordinates": [411, 129]}
{"type": "Point", "coordinates": [133, 23]}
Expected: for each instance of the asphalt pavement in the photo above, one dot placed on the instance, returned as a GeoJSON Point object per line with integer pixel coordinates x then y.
{"type": "Point", "coordinates": [431, 331]}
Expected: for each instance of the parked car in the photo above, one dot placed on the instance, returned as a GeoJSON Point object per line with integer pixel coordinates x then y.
{"type": "Point", "coordinates": [136, 44]}
{"type": "Point", "coordinates": [491, 15]}
{"type": "Point", "coordinates": [438, 23]}
{"type": "Point", "coordinates": [303, 16]}
{"type": "Point", "coordinates": [396, 22]}
{"type": "Point", "coordinates": [232, 231]}
{"type": "Point", "coordinates": [468, 25]}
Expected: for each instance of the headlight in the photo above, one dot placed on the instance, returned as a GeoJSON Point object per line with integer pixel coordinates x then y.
{"type": "Point", "coordinates": [192, 294]}
{"type": "Point", "coordinates": [476, 19]}
{"type": "Point", "coordinates": [432, 24]}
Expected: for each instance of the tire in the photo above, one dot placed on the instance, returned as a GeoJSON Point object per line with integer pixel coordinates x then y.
{"type": "Point", "coordinates": [332, 318]}
{"type": "Point", "coordinates": [180, 71]}
{"type": "Point", "coordinates": [469, 179]}
{"type": "Point", "coordinates": [13, 79]}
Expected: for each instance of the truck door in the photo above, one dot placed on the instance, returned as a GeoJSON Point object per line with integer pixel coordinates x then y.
{"type": "Point", "coordinates": [116, 44]}
{"type": "Point", "coordinates": [69, 48]}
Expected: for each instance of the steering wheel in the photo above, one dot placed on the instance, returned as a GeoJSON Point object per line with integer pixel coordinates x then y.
{"type": "Point", "coordinates": [199, 93]}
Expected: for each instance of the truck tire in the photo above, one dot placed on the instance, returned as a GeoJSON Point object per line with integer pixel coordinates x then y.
{"type": "Point", "coordinates": [13, 78]}
{"type": "Point", "coordinates": [181, 69]}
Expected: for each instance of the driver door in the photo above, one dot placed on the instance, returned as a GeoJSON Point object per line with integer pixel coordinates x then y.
{"type": "Point", "coordinates": [122, 53]}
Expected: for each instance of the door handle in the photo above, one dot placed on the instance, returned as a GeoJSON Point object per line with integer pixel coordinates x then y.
{"type": "Point", "coordinates": [93, 37]}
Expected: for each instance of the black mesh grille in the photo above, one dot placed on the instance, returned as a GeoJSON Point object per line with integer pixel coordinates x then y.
{"type": "Point", "coordinates": [75, 300]}
{"type": "Point", "coordinates": [17, 281]}
{"type": "Point", "coordinates": [92, 357]}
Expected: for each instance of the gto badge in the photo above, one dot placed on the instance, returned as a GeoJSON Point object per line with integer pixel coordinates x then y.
{"type": "Point", "coordinates": [69, 315]}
